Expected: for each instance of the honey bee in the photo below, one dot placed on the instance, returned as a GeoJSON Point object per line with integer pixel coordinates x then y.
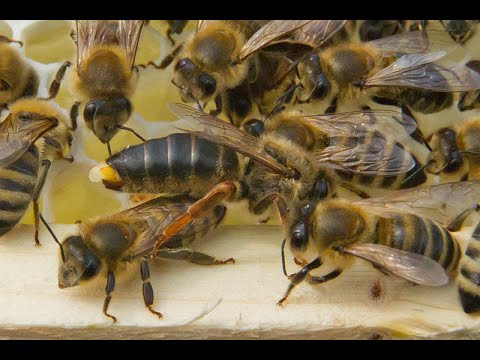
{"type": "Point", "coordinates": [109, 245]}
{"type": "Point", "coordinates": [33, 135]}
{"type": "Point", "coordinates": [455, 151]}
{"type": "Point", "coordinates": [409, 233]}
{"type": "Point", "coordinates": [17, 77]}
{"type": "Point", "coordinates": [460, 30]}
{"type": "Point", "coordinates": [376, 29]}
{"type": "Point", "coordinates": [103, 76]}
{"type": "Point", "coordinates": [224, 61]}
{"type": "Point", "coordinates": [470, 100]}
{"type": "Point", "coordinates": [293, 161]}
{"type": "Point", "coordinates": [420, 79]}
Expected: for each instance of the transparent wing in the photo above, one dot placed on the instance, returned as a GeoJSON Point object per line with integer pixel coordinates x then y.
{"type": "Point", "coordinates": [125, 33]}
{"type": "Point", "coordinates": [372, 155]}
{"type": "Point", "coordinates": [414, 42]}
{"type": "Point", "coordinates": [17, 136]}
{"type": "Point", "coordinates": [413, 267]}
{"type": "Point", "coordinates": [269, 34]}
{"type": "Point", "coordinates": [128, 36]}
{"type": "Point", "coordinates": [441, 203]}
{"type": "Point", "coordinates": [317, 32]}
{"type": "Point", "coordinates": [358, 123]}
{"type": "Point", "coordinates": [158, 213]}
{"type": "Point", "coordinates": [208, 127]}
{"type": "Point", "coordinates": [418, 71]}
{"type": "Point", "coordinates": [201, 24]}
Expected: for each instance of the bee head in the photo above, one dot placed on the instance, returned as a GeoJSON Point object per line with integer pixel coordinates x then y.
{"type": "Point", "coordinates": [445, 155]}
{"type": "Point", "coordinates": [299, 230]}
{"type": "Point", "coordinates": [80, 263]}
{"type": "Point", "coordinates": [315, 84]}
{"type": "Point", "coordinates": [193, 83]}
{"type": "Point", "coordinates": [103, 116]}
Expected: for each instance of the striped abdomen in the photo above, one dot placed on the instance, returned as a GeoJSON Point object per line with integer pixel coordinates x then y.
{"type": "Point", "coordinates": [17, 184]}
{"type": "Point", "coordinates": [376, 143]}
{"type": "Point", "coordinates": [469, 275]}
{"type": "Point", "coordinates": [420, 236]}
{"type": "Point", "coordinates": [176, 164]}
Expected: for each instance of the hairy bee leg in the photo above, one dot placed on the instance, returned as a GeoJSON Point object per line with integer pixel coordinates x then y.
{"type": "Point", "coordinates": [332, 108]}
{"type": "Point", "coordinates": [36, 194]}
{"type": "Point", "coordinates": [193, 256]}
{"type": "Point", "coordinates": [198, 209]}
{"type": "Point", "coordinates": [108, 290]}
{"type": "Point", "coordinates": [55, 85]}
{"type": "Point", "coordinates": [457, 223]}
{"type": "Point", "coordinates": [7, 39]}
{"type": "Point", "coordinates": [297, 278]}
{"type": "Point", "coordinates": [74, 114]}
{"type": "Point", "coordinates": [353, 189]}
{"type": "Point", "coordinates": [147, 287]}
{"type": "Point", "coordinates": [316, 280]}
{"type": "Point", "coordinates": [218, 105]}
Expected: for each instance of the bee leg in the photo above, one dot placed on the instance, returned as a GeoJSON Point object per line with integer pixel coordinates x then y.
{"type": "Point", "coordinates": [198, 209]}
{"type": "Point", "coordinates": [381, 269]}
{"type": "Point", "coordinates": [147, 287]}
{"type": "Point", "coordinates": [109, 289]}
{"type": "Point", "coordinates": [316, 280]}
{"type": "Point", "coordinates": [297, 278]}
{"type": "Point", "coordinates": [55, 85]}
{"type": "Point", "coordinates": [6, 39]}
{"type": "Point", "coordinates": [456, 223]}
{"type": "Point", "coordinates": [353, 189]}
{"type": "Point", "coordinates": [285, 98]}
{"type": "Point", "coordinates": [36, 194]}
{"type": "Point", "coordinates": [218, 104]}
{"type": "Point", "coordinates": [193, 257]}
{"type": "Point", "coordinates": [332, 108]}
{"type": "Point", "coordinates": [169, 36]}
{"type": "Point", "coordinates": [74, 114]}
{"type": "Point", "coordinates": [417, 135]}
{"type": "Point", "coordinates": [166, 61]}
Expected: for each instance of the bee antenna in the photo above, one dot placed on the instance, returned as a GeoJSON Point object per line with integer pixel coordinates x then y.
{"type": "Point", "coordinates": [284, 268]}
{"type": "Point", "coordinates": [131, 130]}
{"type": "Point", "coordinates": [53, 235]}
{"type": "Point", "coordinates": [469, 152]}
{"type": "Point", "coordinates": [418, 170]}
{"type": "Point", "coordinates": [109, 148]}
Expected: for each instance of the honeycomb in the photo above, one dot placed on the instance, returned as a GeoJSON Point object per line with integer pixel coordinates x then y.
{"type": "Point", "coordinates": [68, 194]}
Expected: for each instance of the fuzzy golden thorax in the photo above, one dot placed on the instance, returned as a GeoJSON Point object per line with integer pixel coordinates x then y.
{"type": "Point", "coordinates": [293, 125]}
{"type": "Point", "coordinates": [211, 51]}
{"type": "Point", "coordinates": [16, 75]}
{"type": "Point", "coordinates": [55, 143]}
{"type": "Point", "coordinates": [263, 182]}
{"type": "Point", "coordinates": [104, 72]}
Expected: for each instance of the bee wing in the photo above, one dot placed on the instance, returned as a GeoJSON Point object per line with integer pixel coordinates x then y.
{"type": "Point", "coordinates": [209, 127]}
{"type": "Point", "coordinates": [441, 203]}
{"type": "Point", "coordinates": [16, 138]}
{"type": "Point", "coordinates": [158, 213]}
{"type": "Point", "coordinates": [125, 33]}
{"type": "Point", "coordinates": [128, 36]}
{"type": "Point", "coordinates": [418, 71]}
{"type": "Point", "coordinates": [376, 156]}
{"type": "Point", "coordinates": [359, 123]}
{"type": "Point", "coordinates": [270, 34]}
{"type": "Point", "coordinates": [317, 32]}
{"type": "Point", "coordinates": [414, 42]}
{"type": "Point", "coordinates": [410, 266]}
{"type": "Point", "coordinates": [201, 25]}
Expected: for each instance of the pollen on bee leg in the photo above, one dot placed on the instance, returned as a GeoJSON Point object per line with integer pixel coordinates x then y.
{"type": "Point", "coordinates": [103, 172]}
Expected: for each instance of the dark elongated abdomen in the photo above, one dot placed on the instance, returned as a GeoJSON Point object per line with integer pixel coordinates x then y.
{"type": "Point", "coordinates": [17, 184]}
{"type": "Point", "coordinates": [176, 164]}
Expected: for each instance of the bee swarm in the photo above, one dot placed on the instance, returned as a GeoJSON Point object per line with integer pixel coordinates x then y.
{"type": "Point", "coordinates": [215, 302]}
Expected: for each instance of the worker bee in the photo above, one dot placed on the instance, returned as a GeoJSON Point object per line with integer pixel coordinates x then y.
{"type": "Point", "coordinates": [17, 77]}
{"type": "Point", "coordinates": [224, 61]}
{"type": "Point", "coordinates": [108, 245]}
{"type": "Point", "coordinates": [376, 29]}
{"type": "Point", "coordinates": [470, 100]}
{"type": "Point", "coordinates": [103, 76]}
{"type": "Point", "coordinates": [459, 30]}
{"type": "Point", "coordinates": [33, 135]}
{"type": "Point", "coordinates": [409, 233]}
{"type": "Point", "coordinates": [455, 151]}
{"type": "Point", "coordinates": [420, 79]}
{"type": "Point", "coordinates": [293, 161]}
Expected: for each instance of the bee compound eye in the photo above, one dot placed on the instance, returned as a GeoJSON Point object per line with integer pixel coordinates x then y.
{"type": "Point", "coordinates": [91, 109]}
{"type": "Point", "coordinates": [184, 63]}
{"type": "Point", "coordinates": [254, 127]}
{"type": "Point", "coordinates": [208, 84]}
{"type": "Point", "coordinates": [299, 236]}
